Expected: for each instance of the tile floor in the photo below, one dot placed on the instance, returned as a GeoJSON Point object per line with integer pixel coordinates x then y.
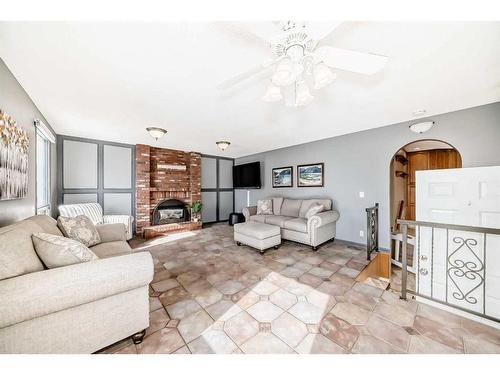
{"type": "Point", "coordinates": [211, 296]}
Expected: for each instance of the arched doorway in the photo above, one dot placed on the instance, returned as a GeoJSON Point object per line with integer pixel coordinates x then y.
{"type": "Point", "coordinates": [427, 154]}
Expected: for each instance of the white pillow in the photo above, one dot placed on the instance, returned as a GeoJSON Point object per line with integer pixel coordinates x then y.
{"type": "Point", "coordinates": [265, 207]}
{"type": "Point", "coordinates": [314, 209]}
{"type": "Point", "coordinates": [57, 251]}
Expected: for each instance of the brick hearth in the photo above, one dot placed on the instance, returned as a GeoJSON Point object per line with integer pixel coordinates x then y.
{"type": "Point", "coordinates": [164, 174]}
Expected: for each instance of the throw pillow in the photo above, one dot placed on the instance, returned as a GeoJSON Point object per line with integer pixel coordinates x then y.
{"type": "Point", "coordinates": [265, 207]}
{"type": "Point", "coordinates": [79, 228]}
{"type": "Point", "coordinates": [313, 210]}
{"type": "Point", "coordinates": [56, 251]}
{"type": "Point", "coordinates": [17, 255]}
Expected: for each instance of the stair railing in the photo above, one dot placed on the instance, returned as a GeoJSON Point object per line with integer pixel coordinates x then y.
{"type": "Point", "coordinates": [460, 252]}
{"type": "Point", "coordinates": [371, 230]}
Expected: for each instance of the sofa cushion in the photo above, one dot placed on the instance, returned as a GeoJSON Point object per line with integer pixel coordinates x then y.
{"type": "Point", "coordinates": [259, 218]}
{"type": "Point", "coordinates": [307, 203]}
{"type": "Point", "coordinates": [56, 251]}
{"type": "Point", "coordinates": [17, 254]}
{"type": "Point", "coordinates": [79, 228]}
{"type": "Point", "coordinates": [257, 230]}
{"type": "Point", "coordinates": [277, 202]}
{"type": "Point", "coordinates": [291, 207]}
{"type": "Point", "coordinates": [111, 249]}
{"type": "Point", "coordinates": [265, 207]}
{"type": "Point", "coordinates": [112, 232]}
{"type": "Point", "coordinates": [278, 220]}
{"type": "Point", "coordinates": [298, 224]}
{"type": "Point", "coordinates": [314, 209]}
{"type": "Point", "coordinates": [46, 223]}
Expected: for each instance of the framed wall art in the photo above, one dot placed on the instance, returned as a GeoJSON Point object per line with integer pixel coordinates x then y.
{"type": "Point", "coordinates": [14, 145]}
{"type": "Point", "coordinates": [282, 177]}
{"type": "Point", "coordinates": [311, 175]}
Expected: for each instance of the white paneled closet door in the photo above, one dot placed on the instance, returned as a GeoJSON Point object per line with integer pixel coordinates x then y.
{"type": "Point", "coordinates": [458, 267]}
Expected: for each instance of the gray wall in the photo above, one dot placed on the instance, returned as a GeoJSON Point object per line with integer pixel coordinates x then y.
{"type": "Point", "coordinates": [97, 171]}
{"type": "Point", "coordinates": [217, 194]}
{"type": "Point", "coordinates": [16, 102]}
{"type": "Point", "coordinates": [361, 162]}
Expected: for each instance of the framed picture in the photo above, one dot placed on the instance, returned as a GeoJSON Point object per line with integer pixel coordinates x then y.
{"type": "Point", "coordinates": [311, 175]}
{"type": "Point", "coordinates": [282, 177]}
{"type": "Point", "coordinates": [14, 146]}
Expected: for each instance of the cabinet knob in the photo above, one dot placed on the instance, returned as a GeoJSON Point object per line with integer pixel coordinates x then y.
{"type": "Point", "coordinates": [423, 258]}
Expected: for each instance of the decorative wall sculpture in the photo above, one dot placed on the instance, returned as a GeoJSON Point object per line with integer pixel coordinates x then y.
{"type": "Point", "coordinates": [14, 145]}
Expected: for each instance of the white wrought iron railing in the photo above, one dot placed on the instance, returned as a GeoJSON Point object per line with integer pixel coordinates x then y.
{"type": "Point", "coordinates": [452, 263]}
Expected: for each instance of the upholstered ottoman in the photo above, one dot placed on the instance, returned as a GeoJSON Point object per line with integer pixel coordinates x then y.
{"type": "Point", "coordinates": [258, 235]}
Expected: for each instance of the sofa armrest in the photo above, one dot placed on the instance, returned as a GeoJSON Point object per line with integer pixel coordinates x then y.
{"type": "Point", "coordinates": [41, 293]}
{"type": "Point", "coordinates": [249, 211]}
{"type": "Point", "coordinates": [124, 219]}
{"type": "Point", "coordinates": [322, 218]}
{"type": "Point", "coordinates": [112, 232]}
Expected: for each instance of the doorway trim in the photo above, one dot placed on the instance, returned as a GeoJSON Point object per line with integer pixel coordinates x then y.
{"type": "Point", "coordinates": [390, 179]}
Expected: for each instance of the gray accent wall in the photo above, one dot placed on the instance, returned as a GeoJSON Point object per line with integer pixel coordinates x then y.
{"type": "Point", "coordinates": [361, 162]}
{"type": "Point", "coordinates": [16, 102]}
{"type": "Point", "coordinates": [97, 171]}
{"type": "Point", "coordinates": [217, 193]}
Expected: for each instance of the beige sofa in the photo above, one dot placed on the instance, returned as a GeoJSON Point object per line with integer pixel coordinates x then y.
{"type": "Point", "coordinates": [79, 308]}
{"type": "Point", "coordinates": [290, 216]}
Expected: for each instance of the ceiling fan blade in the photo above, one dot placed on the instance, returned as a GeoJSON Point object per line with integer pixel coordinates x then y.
{"type": "Point", "coordinates": [256, 32]}
{"type": "Point", "coordinates": [353, 61]}
{"type": "Point", "coordinates": [229, 83]}
{"type": "Point", "coordinates": [266, 31]}
{"type": "Point", "coordinates": [319, 30]}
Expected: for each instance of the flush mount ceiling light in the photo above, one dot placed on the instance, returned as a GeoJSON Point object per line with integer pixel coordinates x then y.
{"type": "Point", "coordinates": [298, 59]}
{"type": "Point", "coordinates": [156, 133]}
{"type": "Point", "coordinates": [223, 144]}
{"type": "Point", "coordinates": [421, 127]}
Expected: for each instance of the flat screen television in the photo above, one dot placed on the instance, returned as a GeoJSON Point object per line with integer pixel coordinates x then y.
{"type": "Point", "coordinates": [247, 176]}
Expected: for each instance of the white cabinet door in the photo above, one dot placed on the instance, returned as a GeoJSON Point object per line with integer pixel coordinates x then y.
{"type": "Point", "coordinates": [460, 268]}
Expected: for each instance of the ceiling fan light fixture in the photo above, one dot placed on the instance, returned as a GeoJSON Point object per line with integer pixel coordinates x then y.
{"type": "Point", "coordinates": [303, 96]}
{"type": "Point", "coordinates": [421, 127]}
{"type": "Point", "coordinates": [323, 76]}
{"type": "Point", "coordinates": [273, 94]}
{"type": "Point", "coordinates": [156, 133]}
{"type": "Point", "coordinates": [285, 73]}
{"type": "Point", "coordinates": [223, 145]}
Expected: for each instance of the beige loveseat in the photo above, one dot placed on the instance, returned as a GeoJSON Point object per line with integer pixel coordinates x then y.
{"type": "Point", "coordinates": [290, 216]}
{"type": "Point", "coordinates": [79, 308]}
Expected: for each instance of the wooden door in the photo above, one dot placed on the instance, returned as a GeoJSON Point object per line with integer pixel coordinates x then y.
{"type": "Point", "coordinates": [417, 161]}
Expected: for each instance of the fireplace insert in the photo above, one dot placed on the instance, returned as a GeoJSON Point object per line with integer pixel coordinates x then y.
{"type": "Point", "coordinates": [170, 211]}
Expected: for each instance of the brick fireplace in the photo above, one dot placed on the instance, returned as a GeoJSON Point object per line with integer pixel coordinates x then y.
{"type": "Point", "coordinates": [163, 174]}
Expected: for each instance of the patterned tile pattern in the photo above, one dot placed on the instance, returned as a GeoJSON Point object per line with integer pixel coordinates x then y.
{"type": "Point", "coordinates": [211, 296]}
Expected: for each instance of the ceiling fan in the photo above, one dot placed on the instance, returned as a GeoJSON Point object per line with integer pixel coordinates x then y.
{"type": "Point", "coordinates": [298, 60]}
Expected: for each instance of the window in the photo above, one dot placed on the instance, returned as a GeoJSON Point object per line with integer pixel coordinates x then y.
{"type": "Point", "coordinates": [42, 174]}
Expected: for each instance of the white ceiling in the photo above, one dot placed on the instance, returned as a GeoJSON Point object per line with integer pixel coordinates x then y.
{"type": "Point", "coordinates": [112, 80]}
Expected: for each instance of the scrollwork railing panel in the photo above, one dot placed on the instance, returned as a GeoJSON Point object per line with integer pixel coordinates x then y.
{"type": "Point", "coordinates": [465, 269]}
